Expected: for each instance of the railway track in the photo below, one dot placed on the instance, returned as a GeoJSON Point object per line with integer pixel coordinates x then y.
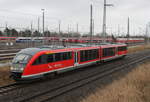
{"type": "Point", "coordinates": [7, 88]}
{"type": "Point", "coordinates": [8, 54]}
{"type": "Point", "coordinates": [108, 69]}
{"type": "Point", "coordinates": [50, 94]}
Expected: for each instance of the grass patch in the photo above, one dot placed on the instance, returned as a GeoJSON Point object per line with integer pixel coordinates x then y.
{"type": "Point", "coordinates": [4, 76]}
{"type": "Point", "coordinates": [5, 61]}
{"type": "Point", "coordinates": [138, 48]}
{"type": "Point", "coordinates": [135, 87]}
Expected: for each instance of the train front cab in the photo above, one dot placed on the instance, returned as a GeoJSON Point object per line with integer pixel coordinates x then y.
{"type": "Point", "coordinates": [46, 63]}
{"type": "Point", "coordinates": [18, 65]}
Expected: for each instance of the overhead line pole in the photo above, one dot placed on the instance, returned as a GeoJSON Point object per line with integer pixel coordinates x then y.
{"type": "Point", "coordinates": [38, 26]}
{"type": "Point", "coordinates": [118, 31]}
{"type": "Point", "coordinates": [59, 26]}
{"type": "Point", "coordinates": [91, 23]}
{"type": "Point", "coordinates": [128, 29]}
{"type": "Point", "coordinates": [93, 26]}
{"type": "Point", "coordinates": [31, 33]}
{"type": "Point", "coordinates": [43, 22]}
{"type": "Point", "coordinates": [104, 21]}
{"type": "Point", "coordinates": [77, 28]}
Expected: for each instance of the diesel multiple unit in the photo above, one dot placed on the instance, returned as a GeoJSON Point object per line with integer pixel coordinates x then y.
{"type": "Point", "coordinates": [37, 62]}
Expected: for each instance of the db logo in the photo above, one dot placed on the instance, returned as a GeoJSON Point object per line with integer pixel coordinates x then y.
{"type": "Point", "coordinates": [50, 66]}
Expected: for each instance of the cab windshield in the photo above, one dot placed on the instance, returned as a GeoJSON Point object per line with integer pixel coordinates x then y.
{"type": "Point", "coordinates": [21, 58]}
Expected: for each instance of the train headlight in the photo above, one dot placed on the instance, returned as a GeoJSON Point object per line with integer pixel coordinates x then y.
{"type": "Point", "coordinates": [13, 68]}
{"type": "Point", "coordinates": [17, 69]}
{"type": "Point", "coordinates": [21, 69]}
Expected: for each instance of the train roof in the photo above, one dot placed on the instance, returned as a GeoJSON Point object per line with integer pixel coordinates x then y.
{"type": "Point", "coordinates": [33, 51]}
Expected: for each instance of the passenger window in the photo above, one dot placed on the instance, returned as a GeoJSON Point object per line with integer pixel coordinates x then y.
{"type": "Point", "coordinates": [50, 58]}
{"type": "Point", "coordinates": [40, 60]}
{"type": "Point", "coordinates": [87, 55]}
{"type": "Point", "coordinates": [58, 57]}
{"type": "Point", "coordinates": [69, 55]}
{"type": "Point", "coordinates": [65, 55]}
{"type": "Point", "coordinates": [122, 48]}
{"type": "Point", "coordinates": [108, 52]}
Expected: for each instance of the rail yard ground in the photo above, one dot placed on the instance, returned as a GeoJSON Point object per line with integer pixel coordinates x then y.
{"type": "Point", "coordinates": [130, 84]}
{"type": "Point", "coordinates": [4, 76]}
{"type": "Point", "coordinates": [138, 48]}
{"type": "Point", "coordinates": [4, 71]}
{"type": "Point", "coordinates": [134, 87]}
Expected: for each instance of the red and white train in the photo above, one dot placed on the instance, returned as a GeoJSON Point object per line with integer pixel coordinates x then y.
{"type": "Point", "coordinates": [32, 63]}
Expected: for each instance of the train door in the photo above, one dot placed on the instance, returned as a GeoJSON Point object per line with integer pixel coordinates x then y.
{"type": "Point", "coordinates": [116, 50]}
{"type": "Point", "coordinates": [76, 59]}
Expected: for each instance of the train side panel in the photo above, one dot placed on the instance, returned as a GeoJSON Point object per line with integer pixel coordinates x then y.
{"type": "Point", "coordinates": [40, 69]}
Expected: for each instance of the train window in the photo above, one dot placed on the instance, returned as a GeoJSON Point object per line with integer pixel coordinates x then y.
{"type": "Point", "coordinates": [63, 56]}
{"type": "Point", "coordinates": [40, 60]}
{"type": "Point", "coordinates": [124, 48]}
{"type": "Point", "coordinates": [50, 58]}
{"type": "Point", "coordinates": [87, 55]}
{"type": "Point", "coordinates": [66, 55]}
{"type": "Point", "coordinates": [82, 56]}
{"type": "Point", "coordinates": [69, 55]}
{"type": "Point", "coordinates": [53, 58]}
{"type": "Point", "coordinates": [108, 52]}
{"type": "Point", "coordinates": [58, 56]}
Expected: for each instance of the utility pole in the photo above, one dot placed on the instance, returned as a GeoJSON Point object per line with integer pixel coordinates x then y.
{"type": "Point", "coordinates": [147, 33]}
{"type": "Point", "coordinates": [93, 26]}
{"type": "Point", "coordinates": [59, 27]}
{"type": "Point", "coordinates": [77, 28]}
{"type": "Point", "coordinates": [128, 29]}
{"type": "Point", "coordinates": [91, 23]}
{"type": "Point", "coordinates": [68, 28]}
{"type": "Point", "coordinates": [6, 24]}
{"type": "Point", "coordinates": [104, 20]}
{"type": "Point", "coordinates": [31, 28]}
{"type": "Point", "coordinates": [43, 22]}
{"type": "Point", "coordinates": [118, 30]}
{"type": "Point", "coordinates": [43, 19]}
{"type": "Point", "coordinates": [31, 34]}
{"type": "Point", "coordinates": [38, 26]}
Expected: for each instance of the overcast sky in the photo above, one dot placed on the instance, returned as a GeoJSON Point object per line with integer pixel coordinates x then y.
{"type": "Point", "coordinates": [20, 13]}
